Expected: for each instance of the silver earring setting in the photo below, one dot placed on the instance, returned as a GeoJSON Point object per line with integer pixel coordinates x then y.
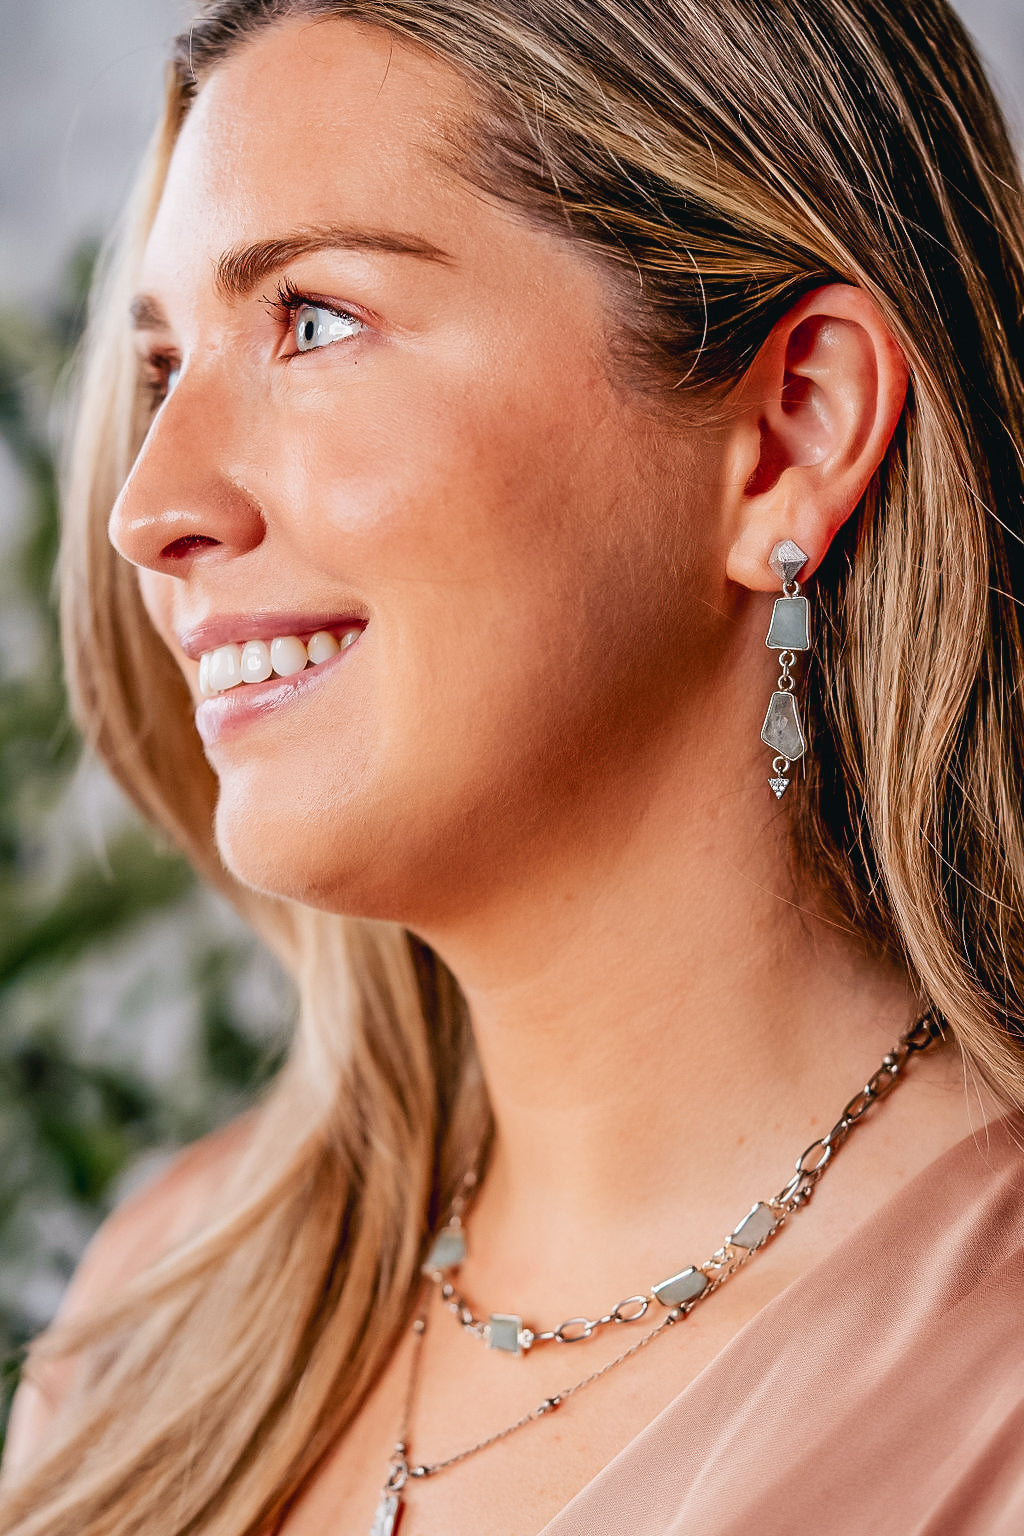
{"type": "Point", "coordinates": [788, 633]}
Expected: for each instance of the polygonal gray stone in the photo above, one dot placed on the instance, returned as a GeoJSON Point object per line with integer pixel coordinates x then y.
{"type": "Point", "coordinates": [685, 1286]}
{"type": "Point", "coordinates": [758, 1224]}
{"type": "Point", "coordinates": [790, 626]}
{"type": "Point", "coordinates": [782, 730]}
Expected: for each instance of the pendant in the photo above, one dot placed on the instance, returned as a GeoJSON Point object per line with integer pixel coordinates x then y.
{"type": "Point", "coordinates": [389, 1513]}
{"type": "Point", "coordinates": [389, 1510]}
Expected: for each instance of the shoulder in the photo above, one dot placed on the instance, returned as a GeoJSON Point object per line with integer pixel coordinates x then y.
{"type": "Point", "coordinates": [144, 1228]}
{"type": "Point", "coordinates": [153, 1220]}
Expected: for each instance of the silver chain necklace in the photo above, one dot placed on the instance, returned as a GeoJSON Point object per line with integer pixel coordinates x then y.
{"type": "Point", "coordinates": [679, 1294]}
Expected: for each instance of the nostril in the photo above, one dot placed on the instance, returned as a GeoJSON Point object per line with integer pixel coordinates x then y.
{"type": "Point", "coordinates": [186, 545]}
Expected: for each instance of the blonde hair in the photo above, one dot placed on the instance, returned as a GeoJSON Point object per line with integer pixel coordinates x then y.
{"type": "Point", "coordinates": [722, 159]}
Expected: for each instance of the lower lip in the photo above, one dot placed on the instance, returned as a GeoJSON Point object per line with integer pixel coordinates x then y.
{"type": "Point", "coordinates": [243, 705]}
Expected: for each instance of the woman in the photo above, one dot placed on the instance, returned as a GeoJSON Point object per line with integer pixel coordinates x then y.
{"type": "Point", "coordinates": [489, 361]}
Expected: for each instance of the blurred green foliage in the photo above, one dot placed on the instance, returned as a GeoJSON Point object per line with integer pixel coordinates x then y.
{"type": "Point", "coordinates": [135, 1012]}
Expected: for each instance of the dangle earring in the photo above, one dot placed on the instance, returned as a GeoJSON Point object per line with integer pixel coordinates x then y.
{"type": "Point", "coordinates": [788, 633]}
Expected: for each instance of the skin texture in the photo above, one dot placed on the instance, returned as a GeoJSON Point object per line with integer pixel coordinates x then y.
{"type": "Point", "coordinates": [464, 472]}
{"type": "Point", "coordinates": [542, 754]}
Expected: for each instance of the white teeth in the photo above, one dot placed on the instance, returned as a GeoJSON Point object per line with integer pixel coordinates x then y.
{"type": "Point", "coordinates": [256, 663]}
{"type": "Point", "coordinates": [322, 646]}
{"type": "Point", "coordinates": [204, 675]}
{"type": "Point", "coordinates": [288, 656]}
{"type": "Point", "coordinates": [225, 668]}
{"type": "Point", "coordinates": [256, 660]}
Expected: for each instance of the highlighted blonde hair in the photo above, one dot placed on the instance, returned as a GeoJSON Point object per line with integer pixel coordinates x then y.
{"type": "Point", "coordinates": [722, 159]}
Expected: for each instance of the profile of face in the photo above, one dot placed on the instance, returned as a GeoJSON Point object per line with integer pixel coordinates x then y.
{"type": "Point", "coordinates": [387, 413]}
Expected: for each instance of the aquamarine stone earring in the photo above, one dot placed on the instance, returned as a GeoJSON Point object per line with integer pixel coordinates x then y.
{"type": "Point", "coordinates": [788, 633]}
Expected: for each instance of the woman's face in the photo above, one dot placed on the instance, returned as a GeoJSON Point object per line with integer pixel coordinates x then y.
{"type": "Point", "coordinates": [392, 419]}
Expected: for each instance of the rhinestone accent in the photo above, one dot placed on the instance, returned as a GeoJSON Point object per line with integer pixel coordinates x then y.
{"type": "Point", "coordinates": [779, 786]}
{"type": "Point", "coordinates": [787, 560]}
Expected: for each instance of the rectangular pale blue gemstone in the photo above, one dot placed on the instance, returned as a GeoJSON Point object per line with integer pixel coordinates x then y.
{"type": "Point", "coordinates": [686, 1286]}
{"type": "Point", "coordinates": [789, 629]}
{"type": "Point", "coordinates": [447, 1251]}
{"type": "Point", "coordinates": [758, 1224]}
{"type": "Point", "coordinates": [503, 1331]}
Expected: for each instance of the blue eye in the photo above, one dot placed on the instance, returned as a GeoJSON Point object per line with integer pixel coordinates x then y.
{"type": "Point", "coordinates": [314, 326]}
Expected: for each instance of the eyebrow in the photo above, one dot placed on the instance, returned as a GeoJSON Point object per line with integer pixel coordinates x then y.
{"type": "Point", "coordinates": [241, 270]}
{"type": "Point", "coordinates": [147, 314]}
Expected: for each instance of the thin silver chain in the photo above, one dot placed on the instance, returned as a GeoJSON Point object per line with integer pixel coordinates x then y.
{"type": "Point", "coordinates": [809, 1168]}
{"type": "Point", "coordinates": [722, 1265]}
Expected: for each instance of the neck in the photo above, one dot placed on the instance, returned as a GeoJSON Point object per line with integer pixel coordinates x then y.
{"type": "Point", "coordinates": [662, 1030]}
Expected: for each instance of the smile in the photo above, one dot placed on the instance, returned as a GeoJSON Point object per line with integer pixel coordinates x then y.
{"type": "Point", "coordinates": [256, 661]}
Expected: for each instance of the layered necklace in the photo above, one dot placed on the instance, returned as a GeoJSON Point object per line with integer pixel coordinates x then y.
{"type": "Point", "coordinates": [677, 1295]}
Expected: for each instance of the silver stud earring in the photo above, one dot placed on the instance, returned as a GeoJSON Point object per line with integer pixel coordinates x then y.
{"type": "Point", "coordinates": [788, 633]}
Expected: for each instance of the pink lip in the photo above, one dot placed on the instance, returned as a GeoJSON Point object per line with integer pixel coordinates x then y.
{"type": "Point", "coordinates": [229, 712]}
{"type": "Point", "coordinates": [236, 629]}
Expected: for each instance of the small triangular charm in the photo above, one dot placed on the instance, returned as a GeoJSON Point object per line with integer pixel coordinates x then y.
{"type": "Point", "coordinates": [780, 786]}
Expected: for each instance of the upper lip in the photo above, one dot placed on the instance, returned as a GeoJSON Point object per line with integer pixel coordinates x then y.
{"type": "Point", "coordinates": [236, 629]}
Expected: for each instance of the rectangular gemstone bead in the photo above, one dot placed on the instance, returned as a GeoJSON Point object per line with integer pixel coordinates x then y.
{"type": "Point", "coordinates": [503, 1330]}
{"type": "Point", "coordinates": [758, 1224]}
{"type": "Point", "coordinates": [448, 1250]}
{"type": "Point", "coordinates": [685, 1286]}
{"type": "Point", "coordinates": [789, 629]}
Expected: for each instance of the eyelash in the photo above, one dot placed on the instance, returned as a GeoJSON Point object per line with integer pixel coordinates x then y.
{"type": "Point", "coordinates": [284, 306]}
{"type": "Point", "coordinates": [289, 300]}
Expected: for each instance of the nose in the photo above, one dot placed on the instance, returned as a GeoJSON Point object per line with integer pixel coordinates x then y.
{"type": "Point", "coordinates": [181, 502]}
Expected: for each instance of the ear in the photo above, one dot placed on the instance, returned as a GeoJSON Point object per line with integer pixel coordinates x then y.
{"type": "Point", "coordinates": [813, 417]}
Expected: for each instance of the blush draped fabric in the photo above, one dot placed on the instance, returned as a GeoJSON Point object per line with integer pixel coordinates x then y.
{"type": "Point", "coordinates": [881, 1394]}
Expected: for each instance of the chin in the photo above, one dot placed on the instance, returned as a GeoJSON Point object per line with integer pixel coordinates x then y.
{"type": "Point", "coordinates": [288, 851]}
{"type": "Point", "coordinates": [334, 859]}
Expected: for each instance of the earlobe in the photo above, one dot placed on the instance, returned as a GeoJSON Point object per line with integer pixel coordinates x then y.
{"type": "Point", "coordinates": [813, 418]}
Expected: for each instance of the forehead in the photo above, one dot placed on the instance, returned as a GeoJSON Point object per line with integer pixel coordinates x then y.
{"type": "Point", "coordinates": [307, 120]}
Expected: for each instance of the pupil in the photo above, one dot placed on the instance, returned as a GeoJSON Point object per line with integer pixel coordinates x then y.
{"type": "Point", "coordinates": [308, 330]}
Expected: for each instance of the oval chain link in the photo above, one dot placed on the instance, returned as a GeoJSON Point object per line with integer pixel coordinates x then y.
{"type": "Point", "coordinates": [723, 1263]}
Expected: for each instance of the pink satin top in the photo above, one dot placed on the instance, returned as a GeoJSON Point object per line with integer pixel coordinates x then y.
{"type": "Point", "coordinates": [881, 1394]}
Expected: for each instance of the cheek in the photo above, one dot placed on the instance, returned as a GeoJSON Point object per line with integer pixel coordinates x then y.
{"type": "Point", "coordinates": [521, 560]}
{"type": "Point", "coordinates": [448, 478]}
